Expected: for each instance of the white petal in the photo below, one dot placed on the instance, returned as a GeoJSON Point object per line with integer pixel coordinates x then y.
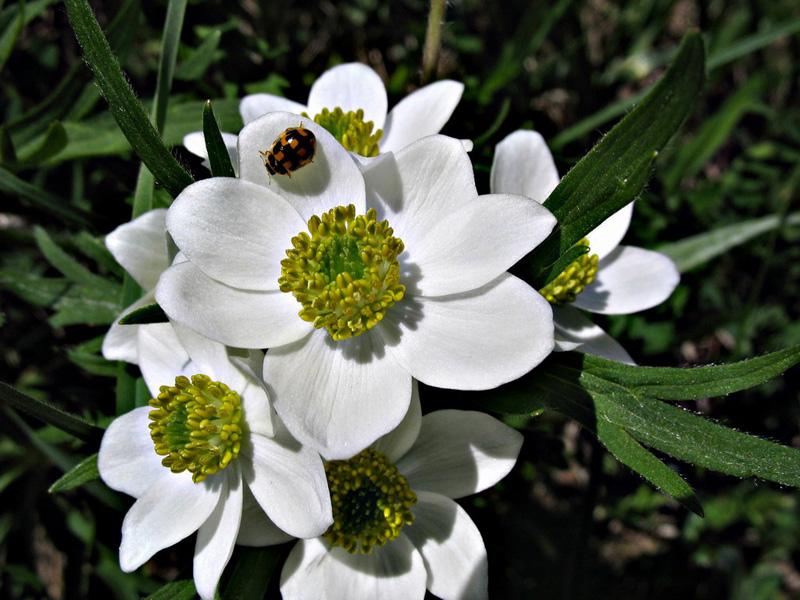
{"type": "Point", "coordinates": [523, 165]}
{"type": "Point", "coordinates": [332, 179]}
{"type": "Point", "coordinates": [127, 460]}
{"type": "Point", "coordinates": [288, 481]}
{"type": "Point", "coordinates": [421, 186]}
{"type": "Point", "coordinates": [460, 452]}
{"type": "Point", "coordinates": [452, 548]}
{"type": "Point", "coordinates": [575, 332]}
{"type": "Point", "coordinates": [350, 86]}
{"type": "Point", "coordinates": [337, 397]}
{"type": "Point", "coordinates": [257, 105]}
{"type": "Point", "coordinates": [141, 247]}
{"type": "Point", "coordinates": [392, 572]}
{"type": "Point", "coordinates": [257, 529]}
{"type": "Point", "coordinates": [162, 357]}
{"type": "Point", "coordinates": [217, 536]}
{"type": "Point", "coordinates": [478, 242]}
{"type": "Point", "coordinates": [606, 237]}
{"type": "Point", "coordinates": [121, 341]}
{"type": "Point", "coordinates": [628, 280]}
{"type": "Point", "coordinates": [397, 442]}
{"type": "Point", "coordinates": [424, 112]}
{"type": "Point", "coordinates": [472, 341]}
{"type": "Point", "coordinates": [195, 143]}
{"type": "Point", "coordinates": [171, 510]}
{"type": "Point", "coordinates": [234, 231]}
{"type": "Point", "coordinates": [259, 320]}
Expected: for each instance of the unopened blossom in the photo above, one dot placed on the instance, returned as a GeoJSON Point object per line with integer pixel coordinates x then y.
{"type": "Point", "coordinates": [358, 282]}
{"type": "Point", "coordinates": [350, 101]}
{"type": "Point", "coordinates": [397, 530]}
{"type": "Point", "coordinates": [610, 279]}
{"type": "Point", "coordinates": [206, 455]}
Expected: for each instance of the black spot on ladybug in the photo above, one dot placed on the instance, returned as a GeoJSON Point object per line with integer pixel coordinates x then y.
{"type": "Point", "coordinates": [291, 150]}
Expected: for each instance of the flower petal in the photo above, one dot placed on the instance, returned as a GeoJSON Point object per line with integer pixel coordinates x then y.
{"type": "Point", "coordinates": [288, 481]}
{"type": "Point", "coordinates": [257, 105]}
{"type": "Point", "coordinates": [332, 179]}
{"type": "Point", "coordinates": [141, 247]}
{"type": "Point", "coordinates": [477, 243]}
{"type": "Point", "coordinates": [523, 165]}
{"type": "Point", "coordinates": [420, 186]}
{"type": "Point", "coordinates": [313, 571]}
{"type": "Point", "coordinates": [460, 452]}
{"type": "Point", "coordinates": [398, 441]}
{"type": "Point", "coordinates": [350, 86]}
{"type": "Point", "coordinates": [452, 548]}
{"type": "Point", "coordinates": [234, 231]}
{"type": "Point", "coordinates": [606, 237]}
{"type": "Point", "coordinates": [217, 536]}
{"type": "Point", "coordinates": [162, 357]}
{"type": "Point", "coordinates": [127, 460]}
{"type": "Point", "coordinates": [195, 143]}
{"type": "Point", "coordinates": [337, 397]}
{"type": "Point", "coordinates": [260, 319]}
{"type": "Point", "coordinates": [257, 529]}
{"type": "Point", "coordinates": [472, 341]}
{"type": "Point", "coordinates": [423, 112]}
{"type": "Point", "coordinates": [628, 280]}
{"type": "Point", "coordinates": [121, 341]}
{"type": "Point", "coordinates": [575, 332]}
{"type": "Point", "coordinates": [172, 509]}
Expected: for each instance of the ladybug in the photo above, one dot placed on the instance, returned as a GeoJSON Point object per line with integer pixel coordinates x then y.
{"type": "Point", "coordinates": [291, 150]}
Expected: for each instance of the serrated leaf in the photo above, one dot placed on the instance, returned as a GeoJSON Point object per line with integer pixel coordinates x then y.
{"type": "Point", "coordinates": [49, 413]}
{"type": "Point", "coordinates": [200, 58]}
{"type": "Point", "coordinates": [84, 472]}
{"type": "Point", "coordinates": [176, 590]}
{"type": "Point", "coordinates": [696, 250]}
{"type": "Point", "coordinates": [127, 110]}
{"type": "Point", "coordinates": [218, 155]}
{"type": "Point", "coordinates": [152, 313]}
{"type": "Point", "coordinates": [614, 172]}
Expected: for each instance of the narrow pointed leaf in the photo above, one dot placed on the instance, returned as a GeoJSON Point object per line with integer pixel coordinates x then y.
{"type": "Point", "coordinates": [68, 266]}
{"type": "Point", "coordinates": [152, 313]}
{"type": "Point", "coordinates": [217, 152]}
{"type": "Point", "coordinates": [200, 58]}
{"type": "Point", "coordinates": [126, 108]}
{"type": "Point", "coordinates": [176, 590]}
{"type": "Point", "coordinates": [14, 186]}
{"type": "Point", "coordinates": [241, 585]}
{"type": "Point", "coordinates": [84, 472]}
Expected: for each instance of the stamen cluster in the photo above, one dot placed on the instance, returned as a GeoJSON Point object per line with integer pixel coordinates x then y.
{"type": "Point", "coordinates": [350, 129]}
{"type": "Point", "coordinates": [196, 425]}
{"type": "Point", "coordinates": [344, 271]}
{"type": "Point", "coordinates": [572, 280]}
{"type": "Point", "coordinates": [371, 502]}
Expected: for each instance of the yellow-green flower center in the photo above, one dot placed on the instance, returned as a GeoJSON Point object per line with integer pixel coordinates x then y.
{"type": "Point", "coordinates": [572, 280]}
{"type": "Point", "coordinates": [371, 501]}
{"type": "Point", "coordinates": [350, 129]}
{"type": "Point", "coordinates": [196, 425]}
{"type": "Point", "coordinates": [344, 271]}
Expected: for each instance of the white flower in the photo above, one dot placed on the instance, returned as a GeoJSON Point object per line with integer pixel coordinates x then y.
{"type": "Point", "coordinates": [626, 279]}
{"type": "Point", "coordinates": [354, 87]}
{"type": "Point", "coordinates": [414, 473]}
{"type": "Point", "coordinates": [243, 452]}
{"type": "Point", "coordinates": [444, 310]}
{"type": "Point", "coordinates": [141, 248]}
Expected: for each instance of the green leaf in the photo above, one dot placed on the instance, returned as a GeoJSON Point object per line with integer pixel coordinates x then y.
{"type": "Point", "coordinates": [696, 250]}
{"type": "Point", "coordinates": [152, 313]}
{"type": "Point", "coordinates": [64, 263]}
{"type": "Point", "coordinates": [83, 472]}
{"type": "Point", "coordinates": [87, 305]}
{"type": "Point", "coordinates": [49, 413]}
{"type": "Point", "coordinates": [87, 356]}
{"type": "Point", "coordinates": [217, 152]}
{"type": "Point", "coordinates": [752, 43]}
{"type": "Point", "coordinates": [8, 38]}
{"type": "Point", "coordinates": [127, 110]}
{"type": "Point", "coordinates": [632, 454]}
{"type": "Point", "coordinates": [12, 185]}
{"type": "Point", "coordinates": [95, 249]}
{"type": "Point", "coordinates": [170, 40]}
{"type": "Point", "coordinates": [176, 590]}
{"type": "Point", "coordinates": [32, 287]}
{"type": "Point", "coordinates": [241, 584]}
{"type": "Point", "coordinates": [614, 172]}
{"type": "Point", "coordinates": [200, 58]}
{"type": "Point", "coordinates": [551, 272]}
{"type": "Point", "coordinates": [53, 142]}
{"type": "Point", "coordinates": [8, 153]}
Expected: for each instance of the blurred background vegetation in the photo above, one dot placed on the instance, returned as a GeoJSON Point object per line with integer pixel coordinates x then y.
{"type": "Point", "coordinates": [569, 522]}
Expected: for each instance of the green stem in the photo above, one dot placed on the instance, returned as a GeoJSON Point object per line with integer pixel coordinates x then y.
{"type": "Point", "coordinates": [433, 40]}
